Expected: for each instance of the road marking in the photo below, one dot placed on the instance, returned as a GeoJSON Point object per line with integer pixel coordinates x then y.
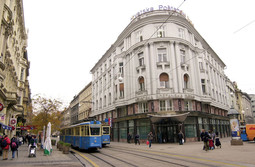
{"type": "Point", "coordinates": [90, 161]}
{"type": "Point", "coordinates": [183, 156]}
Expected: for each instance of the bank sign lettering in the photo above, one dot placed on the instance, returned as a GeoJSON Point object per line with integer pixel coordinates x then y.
{"type": "Point", "coordinates": [160, 7]}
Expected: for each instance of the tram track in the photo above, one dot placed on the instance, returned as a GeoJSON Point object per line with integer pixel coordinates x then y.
{"type": "Point", "coordinates": [178, 157]}
{"type": "Point", "coordinates": [121, 160]}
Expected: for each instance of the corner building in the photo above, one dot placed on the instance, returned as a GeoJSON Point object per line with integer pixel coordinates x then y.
{"type": "Point", "coordinates": [160, 75]}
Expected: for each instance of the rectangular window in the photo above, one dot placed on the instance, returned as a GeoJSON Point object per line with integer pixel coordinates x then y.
{"type": "Point", "coordinates": [203, 86]}
{"type": "Point", "coordinates": [141, 59]}
{"type": "Point", "coordinates": [162, 56]}
{"type": "Point", "coordinates": [160, 31]}
{"type": "Point", "coordinates": [187, 105]}
{"type": "Point", "coordinates": [164, 84]}
{"type": "Point", "coordinates": [139, 36]}
{"type": "Point", "coordinates": [142, 107]}
{"type": "Point", "coordinates": [121, 90]}
{"type": "Point", "coordinates": [121, 68]}
{"type": "Point", "coordinates": [165, 105]}
{"type": "Point", "coordinates": [181, 33]}
{"type": "Point", "coordinates": [183, 56]}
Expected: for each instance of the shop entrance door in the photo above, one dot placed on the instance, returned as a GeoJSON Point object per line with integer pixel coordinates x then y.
{"type": "Point", "coordinates": [167, 133]}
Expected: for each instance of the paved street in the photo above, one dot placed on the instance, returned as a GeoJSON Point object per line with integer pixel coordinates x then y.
{"type": "Point", "coordinates": [124, 154]}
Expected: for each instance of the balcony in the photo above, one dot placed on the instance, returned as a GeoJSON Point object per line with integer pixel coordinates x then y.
{"type": "Point", "coordinates": [188, 90]}
{"type": "Point", "coordinates": [11, 97]}
{"type": "Point", "coordinates": [140, 67]}
{"type": "Point", "coordinates": [141, 92]}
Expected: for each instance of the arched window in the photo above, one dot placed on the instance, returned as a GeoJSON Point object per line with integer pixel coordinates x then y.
{"type": "Point", "coordinates": [164, 80]}
{"type": "Point", "coordinates": [141, 83]}
{"type": "Point", "coordinates": [186, 81]}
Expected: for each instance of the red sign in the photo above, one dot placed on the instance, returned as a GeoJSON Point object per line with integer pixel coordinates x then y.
{"type": "Point", "coordinates": [1, 106]}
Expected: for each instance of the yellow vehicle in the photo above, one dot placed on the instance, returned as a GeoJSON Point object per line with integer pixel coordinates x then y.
{"type": "Point", "coordinates": [250, 131]}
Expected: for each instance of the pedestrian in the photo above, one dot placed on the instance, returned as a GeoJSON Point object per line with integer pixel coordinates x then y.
{"type": "Point", "coordinates": [137, 140]}
{"type": "Point", "coordinates": [29, 137]}
{"type": "Point", "coordinates": [150, 138]}
{"type": "Point", "coordinates": [217, 140]}
{"type": "Point", "coordinates": [181, 138]}
{"type": "Point", "coordinates": [14, 146]}
{"type": "Point", "coordinates": [5, 144]}
{"type": "Point", "coordinates": [1, 151]}
{"type": "Point", "coordinates": [205, 138]}
{"type": "Point", "coordinates": [128, 138]}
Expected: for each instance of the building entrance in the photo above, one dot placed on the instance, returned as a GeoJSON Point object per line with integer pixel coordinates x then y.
{"type": "Point", "coordinates": [167, 133]}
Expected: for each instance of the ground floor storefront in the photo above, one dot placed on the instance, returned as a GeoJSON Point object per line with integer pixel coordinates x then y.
{"type": "Point", "coordinates": [166, 131]}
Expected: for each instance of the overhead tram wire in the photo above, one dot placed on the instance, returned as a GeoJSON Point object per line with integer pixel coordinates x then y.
{"type": "Point", "coordinates": [146, 42]}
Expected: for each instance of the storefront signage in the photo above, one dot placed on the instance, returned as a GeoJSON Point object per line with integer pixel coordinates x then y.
{"type": "Point", "coordinates": [1, 106]}
{"type": "Point", "coordinates": [160, 7]}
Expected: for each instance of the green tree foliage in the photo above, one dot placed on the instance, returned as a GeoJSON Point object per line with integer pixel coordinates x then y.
{"type": "Point", "coordinates": [46, 110]}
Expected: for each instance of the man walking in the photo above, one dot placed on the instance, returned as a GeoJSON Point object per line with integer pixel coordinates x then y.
{"type": "Point", "coordinates": [5, 146]}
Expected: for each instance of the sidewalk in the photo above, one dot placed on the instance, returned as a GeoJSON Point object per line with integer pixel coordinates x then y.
{"type": "Point", "coordinates": [56, 159]}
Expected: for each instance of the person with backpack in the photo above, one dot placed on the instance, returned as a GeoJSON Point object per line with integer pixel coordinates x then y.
{"type": "Point", "coordinates": [5, 144]}
{"type": "Point", "coordinates": [14, 146]}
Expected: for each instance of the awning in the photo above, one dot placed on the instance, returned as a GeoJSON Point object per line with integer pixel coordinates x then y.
{"type": "Point", "coordinates": [157, 118]}
{"type": "Point", "coordinates": [5, 126]}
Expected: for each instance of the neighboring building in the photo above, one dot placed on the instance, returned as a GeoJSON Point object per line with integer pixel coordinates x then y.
{"type": "Point", "coordinates": [160, 75]}
{"type": "Point", "coordinates": [246, 109]}
{"type": "Point", "coordinates": [85, 103]}
{"type": "Point", "coordinates": [66, 121]}
{"type": "Point", "coordinates": [14, 67]}
{"type": "Point", "coordinates": [253, 105]}
{"type": "Point", "coordinates": [74, 110]}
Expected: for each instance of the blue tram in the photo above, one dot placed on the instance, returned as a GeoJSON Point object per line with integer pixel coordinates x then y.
{"type": "Point", "coordinates": [105, 134]}
{"type": "Point", "coordinates": [86, 135]}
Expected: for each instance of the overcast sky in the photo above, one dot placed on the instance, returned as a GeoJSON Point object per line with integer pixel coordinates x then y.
{"type": "Point", "coordinates": [66, 38]}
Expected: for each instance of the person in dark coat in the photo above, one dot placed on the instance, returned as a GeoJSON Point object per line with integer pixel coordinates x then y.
{"type": "Point", "coordinates": [14, 146]}
{"type": "Point", "coordinates": [205, 138]}
{"type": "Point", "coordinates": [137, 140]}
{"type": "Point", "coordinates": [180, 137]}
{"type": "Point", "coordinates": [128, 138]}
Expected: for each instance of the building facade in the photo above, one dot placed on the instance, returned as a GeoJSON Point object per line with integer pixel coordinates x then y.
{"type": "Point", "coordinates": [14, 67]}
{"type": "Point", "coordinates": [85, 103]}
{"type": "Point", "coordinates": [253, 105]}
{"type": "Point", "coordinates": [160, 75]}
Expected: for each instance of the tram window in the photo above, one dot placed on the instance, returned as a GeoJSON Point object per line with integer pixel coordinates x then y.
{"type": "Point", "coordinates": [72, 131]}
{"type": "Point", "coordinates": [82, 131]}
{"type": "Point", "coordinates": [87, 130]}
{"type": "Point", "coordinates": [95, 131]}
{"type": "Point", "coordinates": [69, 132]}
{"type": "Point", "coordinates": [105, 130]}
{"type": "Point", "coordinates": [77, 131]}
{"type": "Point", "coordinates": [63, 132]}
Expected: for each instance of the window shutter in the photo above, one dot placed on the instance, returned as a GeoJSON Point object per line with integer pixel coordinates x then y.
{"type": "Point", "coordinates": [141, 80]}
{"type": "Point", "coordinates": [163, 77]}
{"type": "Point", "coordinates": [122, 87]}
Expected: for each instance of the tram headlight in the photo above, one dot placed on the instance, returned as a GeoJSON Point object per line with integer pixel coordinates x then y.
{"type": "Point", "coordinates": [95, 141]}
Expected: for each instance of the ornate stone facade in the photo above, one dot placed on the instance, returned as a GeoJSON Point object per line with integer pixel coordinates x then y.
{"type": "Point", "coordinates": [14, 66]}
{"type": "Point", "coordinates": [161, 65]}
